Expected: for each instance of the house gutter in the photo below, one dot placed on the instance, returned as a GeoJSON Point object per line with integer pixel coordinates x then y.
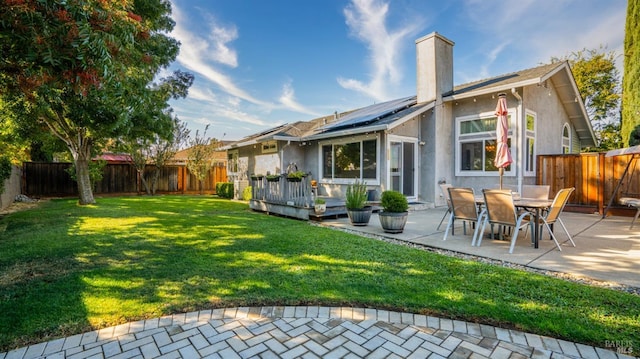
{"type": "Point", "coordinates": [520, 112]}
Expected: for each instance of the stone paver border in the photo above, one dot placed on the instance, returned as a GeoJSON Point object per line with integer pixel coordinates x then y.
{"type": "Point", "coordinates": [307, 332]}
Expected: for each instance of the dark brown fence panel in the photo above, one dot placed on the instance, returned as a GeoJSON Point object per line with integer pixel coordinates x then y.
{"type": "Point", "coordinates": [48, 179]}
{"type": "Point", "coordinates": [117, 178]}
{"type": "Point", "coordinates": [52, 180]}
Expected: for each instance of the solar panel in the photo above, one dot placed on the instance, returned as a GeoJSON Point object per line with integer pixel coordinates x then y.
{"type": "Point", "coordinates": [371, 113]}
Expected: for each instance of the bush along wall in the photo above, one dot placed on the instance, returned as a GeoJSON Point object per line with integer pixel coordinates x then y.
{"type": "Point", "coordinates": [246, 194]}
{"type": "Point", "coordinates": [224, 189]}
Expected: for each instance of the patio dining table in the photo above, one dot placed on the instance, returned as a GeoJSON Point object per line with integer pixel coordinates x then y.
{"type": "Point", "coordinates": [534, 205]}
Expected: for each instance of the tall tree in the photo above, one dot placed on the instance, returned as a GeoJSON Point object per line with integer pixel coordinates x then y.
{"type": "Point", "coordinates": [200, 155]}
{"type": "Point", "coordinates": [85, 70]}
{"type": "Point", "coordinates": [631, 78]}
{"type": "Point", "coordinates": [598, 81]}
{"type": "Point", "coordinates": [156, 152]}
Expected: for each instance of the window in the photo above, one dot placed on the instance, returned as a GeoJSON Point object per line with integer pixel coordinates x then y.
{"type": "Point", "coordinates": [477, 144]}
{"type": "Point", "coordinates": [270, 147]}
{"type": "Point", "coordinates": [530, 143]}
{"type": "Point", "coordinates": [232, 161]}
{"type": "Point", "coordinates": [349, 160]}
{"type": "Point", "coordinates": [566, 139]}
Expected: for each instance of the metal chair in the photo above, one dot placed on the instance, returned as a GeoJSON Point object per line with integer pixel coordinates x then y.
{"type": "Point", "coordinates": [553, 214]}
{"type": "Point", "coordinates": [444, 187]}
{"type": "Point", "coordinates": [501, 211]}
{"type": "Point", "coordinates": [535, 191]}
{"type": "Point", "coordinates": [463, 207]}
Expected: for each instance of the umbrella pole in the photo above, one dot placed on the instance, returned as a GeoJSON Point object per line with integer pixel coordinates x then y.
{"type": "Point", "coordinates": [501, 170]}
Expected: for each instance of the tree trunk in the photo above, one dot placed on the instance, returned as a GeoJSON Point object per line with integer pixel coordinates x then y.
{"type": "Point", "coordinates": [145, 184]}
{"type": "Point", "coordinates": [85, 190]}
{"type": "Point", "coordinates": [154, 181]}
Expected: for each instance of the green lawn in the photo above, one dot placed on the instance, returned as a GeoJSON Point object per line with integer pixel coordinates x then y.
{"type": "Point", "coordinates": [65, 269]}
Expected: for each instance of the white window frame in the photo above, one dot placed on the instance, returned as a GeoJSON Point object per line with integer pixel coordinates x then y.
{"type": "Point", "coordinates": [481, 136]}
{"type": "Point", "coordinates": [566, 141]}
{"type": "Point", "coordinates": [342, 141]}
{"type": "Point", "coordinates": [232, 161]}
{"type": "Point", "coordinates": [530, 135]}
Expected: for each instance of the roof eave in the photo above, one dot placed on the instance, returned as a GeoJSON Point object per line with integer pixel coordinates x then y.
{"type": "Point", "coordinates": [490, 90]}
{"type": "Point", "coordinates": [347, 132]}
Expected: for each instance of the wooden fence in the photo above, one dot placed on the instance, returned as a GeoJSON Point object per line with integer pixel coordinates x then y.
{"type": "Point", "coordinates": [52, 180]}
{"type": "Point", "coordinates": [595, 178]}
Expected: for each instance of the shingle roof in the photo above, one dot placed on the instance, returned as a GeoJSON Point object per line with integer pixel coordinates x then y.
{"type": "Point", "coordinates": [507, 79]}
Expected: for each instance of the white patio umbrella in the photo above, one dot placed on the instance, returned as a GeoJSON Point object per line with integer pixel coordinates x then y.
{"type": "Point", "coordinates": [503, 154]}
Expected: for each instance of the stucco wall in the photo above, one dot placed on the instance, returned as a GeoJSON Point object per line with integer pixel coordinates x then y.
{"type": "Point", "coordinates": [551, 118]}
{"type": "Point", "coordinates": [11, 188]}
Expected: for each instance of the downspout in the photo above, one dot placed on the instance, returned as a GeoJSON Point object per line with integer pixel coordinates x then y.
{"type": "Point", "coordinates": [282, 166]}
{"type": "Point", "coordinates": [518, 135]}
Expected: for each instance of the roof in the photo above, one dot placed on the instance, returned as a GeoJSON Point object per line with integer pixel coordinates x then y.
{"type": "Point", "coordinates": [558, 73]}
{"type": "Point", "coordinates": [389, 114]}
{"type": "Point", "coordinates": [183, 155]}
{"type": "Point", "coordinates": [114, 157]}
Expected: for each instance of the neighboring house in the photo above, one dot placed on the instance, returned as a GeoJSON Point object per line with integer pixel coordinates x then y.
{"type": "Point", "coordinates": [219, 157]}
{"type": "Point", "coordinates": [443, 134]}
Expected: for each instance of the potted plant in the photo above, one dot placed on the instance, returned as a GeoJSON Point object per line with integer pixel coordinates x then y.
{"type": "Point", "coordinates": [394, 213]}
{"type": "Point", "coordinates": [295, 176]}
{"type": "Point", "coordinates": [319, 205]}
{"type": "Point", "coordinates": [356, 199]}
{"type": "Point", "coordinates": [256, 177]}
{"type": "Point", "coordinates": [273, 178]}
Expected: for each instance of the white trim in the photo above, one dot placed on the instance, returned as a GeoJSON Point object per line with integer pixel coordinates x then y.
{"type": "Point", "coordinates": [416, 162]}
{"type": "Point", "coordinates": [343, 140]}
{"type": "Point", "coordinates": [570, 145]}
{"type": "Point", "coordinates": [526, 144]}
{"type": "Point", "coordinates": [484, 136]}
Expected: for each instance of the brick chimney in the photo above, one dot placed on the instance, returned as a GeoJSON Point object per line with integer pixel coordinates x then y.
{"type": "Point", "coordinates": [434, 67]}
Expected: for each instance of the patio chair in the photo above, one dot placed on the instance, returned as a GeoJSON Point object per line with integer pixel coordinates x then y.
{"type": "Point", "coordinates": [501, 211]}
{"type": "Point", "coordinates": [463, 207]}
{"type": "Point", "coordinates": [535, 191]}
{"type": "Point", "coordinates": [553, 214]}
{"type": "Point", "coordinates": [444, 187]}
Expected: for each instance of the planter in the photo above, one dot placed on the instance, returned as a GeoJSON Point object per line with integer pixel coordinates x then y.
{"type": "Point", "coordinates": [294, 179]}
{"type": "Point", "coordinates": [360, 216]}
{"type": "Point", "coordinates": [273, 179]}
{"type": "Point", "coordinates": [320, 208]}
{"type": "Point", "coordinates": [393, 222]}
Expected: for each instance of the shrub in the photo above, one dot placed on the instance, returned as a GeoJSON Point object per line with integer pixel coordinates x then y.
{"type": "Point", "coordinates": [394, 201]}
{"type": "Point", "coordinates": [224, 189]}
{"type": "Point", "coordinates": [246, 194]}
{"type": "Point", "coordinates": [296, 175]}
{"type": "Point", "coordinates": [356, 196]}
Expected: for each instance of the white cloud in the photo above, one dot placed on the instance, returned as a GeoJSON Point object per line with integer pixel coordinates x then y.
{"type": "Point", "coordinates": [224, 54]}
{"type": "Point", "coordinates": [194, 50]}
{"type": "Point", "coordinates": [526, 33]}
{"type": "Point", "coordinates": [367, 22]}
{"type": "Point", "coordinates": [289, 101]}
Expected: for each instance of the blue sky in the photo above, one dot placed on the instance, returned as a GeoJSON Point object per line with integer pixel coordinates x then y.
{"type": "Point", "coordinates": [262, 63]}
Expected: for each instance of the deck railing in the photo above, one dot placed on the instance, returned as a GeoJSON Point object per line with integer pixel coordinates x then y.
{"type": "Point", "coordinates": [282, 190]}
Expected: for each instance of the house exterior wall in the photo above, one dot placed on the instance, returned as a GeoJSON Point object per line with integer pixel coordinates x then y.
{"type": "Point", "coordinates": [551, 118]}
